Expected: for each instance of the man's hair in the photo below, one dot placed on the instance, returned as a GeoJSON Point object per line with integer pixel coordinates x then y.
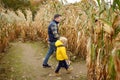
{"type": "Point", "coordinates": [57, 15]}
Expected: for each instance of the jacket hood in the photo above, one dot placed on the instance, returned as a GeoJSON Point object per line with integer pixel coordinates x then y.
{"type": "Point", "coordinates": [58, 43]}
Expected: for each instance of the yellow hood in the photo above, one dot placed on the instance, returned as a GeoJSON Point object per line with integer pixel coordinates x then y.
{"type": "Point", "coordinates": [58, 43]}
{"type": "Point", "coordinates": [60, 51]}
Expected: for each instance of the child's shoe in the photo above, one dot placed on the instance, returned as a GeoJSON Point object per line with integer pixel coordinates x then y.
{"type": "Point", "coordinates": [57, 74]}
{"type": "Point", "coordinates": [54, 74]}
{"type": "Point", "coordinates": [69, 71]}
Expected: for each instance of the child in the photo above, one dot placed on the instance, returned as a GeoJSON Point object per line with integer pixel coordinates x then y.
{"type": "Point", "coordinates": [61, 55]}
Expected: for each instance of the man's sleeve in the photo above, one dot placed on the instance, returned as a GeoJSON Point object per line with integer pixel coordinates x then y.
{"type": "Point", "coordinates": [54, 31]}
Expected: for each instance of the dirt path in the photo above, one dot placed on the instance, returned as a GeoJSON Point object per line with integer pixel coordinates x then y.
{"type": "Point", "coordinates": [23, 62]}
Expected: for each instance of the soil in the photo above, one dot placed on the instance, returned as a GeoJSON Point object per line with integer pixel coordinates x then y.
{"type": "Point", "coordinates": [23, 61]}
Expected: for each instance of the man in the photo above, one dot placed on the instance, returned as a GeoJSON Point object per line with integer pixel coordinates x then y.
{"type": "Point", "coordinates": [53, 37]}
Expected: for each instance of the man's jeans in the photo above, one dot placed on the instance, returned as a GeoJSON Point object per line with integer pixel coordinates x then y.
{"type": "Point", "coordinates": [51, 50]}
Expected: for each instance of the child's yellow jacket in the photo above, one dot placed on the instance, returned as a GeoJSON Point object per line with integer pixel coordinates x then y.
{"type": "Point", "coordinates": [61, 51]}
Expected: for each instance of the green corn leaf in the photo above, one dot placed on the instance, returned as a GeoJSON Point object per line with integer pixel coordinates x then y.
{"type": "Point", "coordinates": [106, 22]}
{"type": "Point", "coordinates": [116, 3]}
{"type": "Point", "coordinates": [98, 1]}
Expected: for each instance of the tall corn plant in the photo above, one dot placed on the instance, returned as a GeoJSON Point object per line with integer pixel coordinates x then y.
{"type": "Point", "coordinates": [101, 64]}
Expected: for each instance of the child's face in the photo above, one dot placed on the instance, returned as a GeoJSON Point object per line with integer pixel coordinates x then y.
{"type": "Point", "coordinates": [65, 42]}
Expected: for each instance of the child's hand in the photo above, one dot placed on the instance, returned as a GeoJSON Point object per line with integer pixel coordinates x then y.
{"type": "Point", "coordinates": [68, 62]}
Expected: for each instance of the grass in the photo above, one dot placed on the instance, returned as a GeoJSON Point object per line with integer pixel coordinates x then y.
{"type": "Point", "coordinates": [11, 63]}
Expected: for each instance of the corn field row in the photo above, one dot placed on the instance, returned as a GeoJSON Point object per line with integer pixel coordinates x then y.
{"type": "Point", "coordinates": [93, 32]}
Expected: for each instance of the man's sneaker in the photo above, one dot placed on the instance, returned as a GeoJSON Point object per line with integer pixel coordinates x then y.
{"type": "Point", "coordinates": [46, 66]}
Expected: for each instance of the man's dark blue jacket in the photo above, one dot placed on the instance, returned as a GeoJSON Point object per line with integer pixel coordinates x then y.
{"type": "Point", "coordinates": [53, 31]}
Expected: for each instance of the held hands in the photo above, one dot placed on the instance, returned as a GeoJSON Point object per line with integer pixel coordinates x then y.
{"type": "Point", "coordinates": [68, 62]}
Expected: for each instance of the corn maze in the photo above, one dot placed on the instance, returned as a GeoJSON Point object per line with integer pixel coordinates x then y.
{"type": "Point", "coordinates": [92, 29]}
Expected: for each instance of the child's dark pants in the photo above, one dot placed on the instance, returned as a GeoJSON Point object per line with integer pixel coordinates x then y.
{"type": "Point", "coordinates": [61, 64]}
